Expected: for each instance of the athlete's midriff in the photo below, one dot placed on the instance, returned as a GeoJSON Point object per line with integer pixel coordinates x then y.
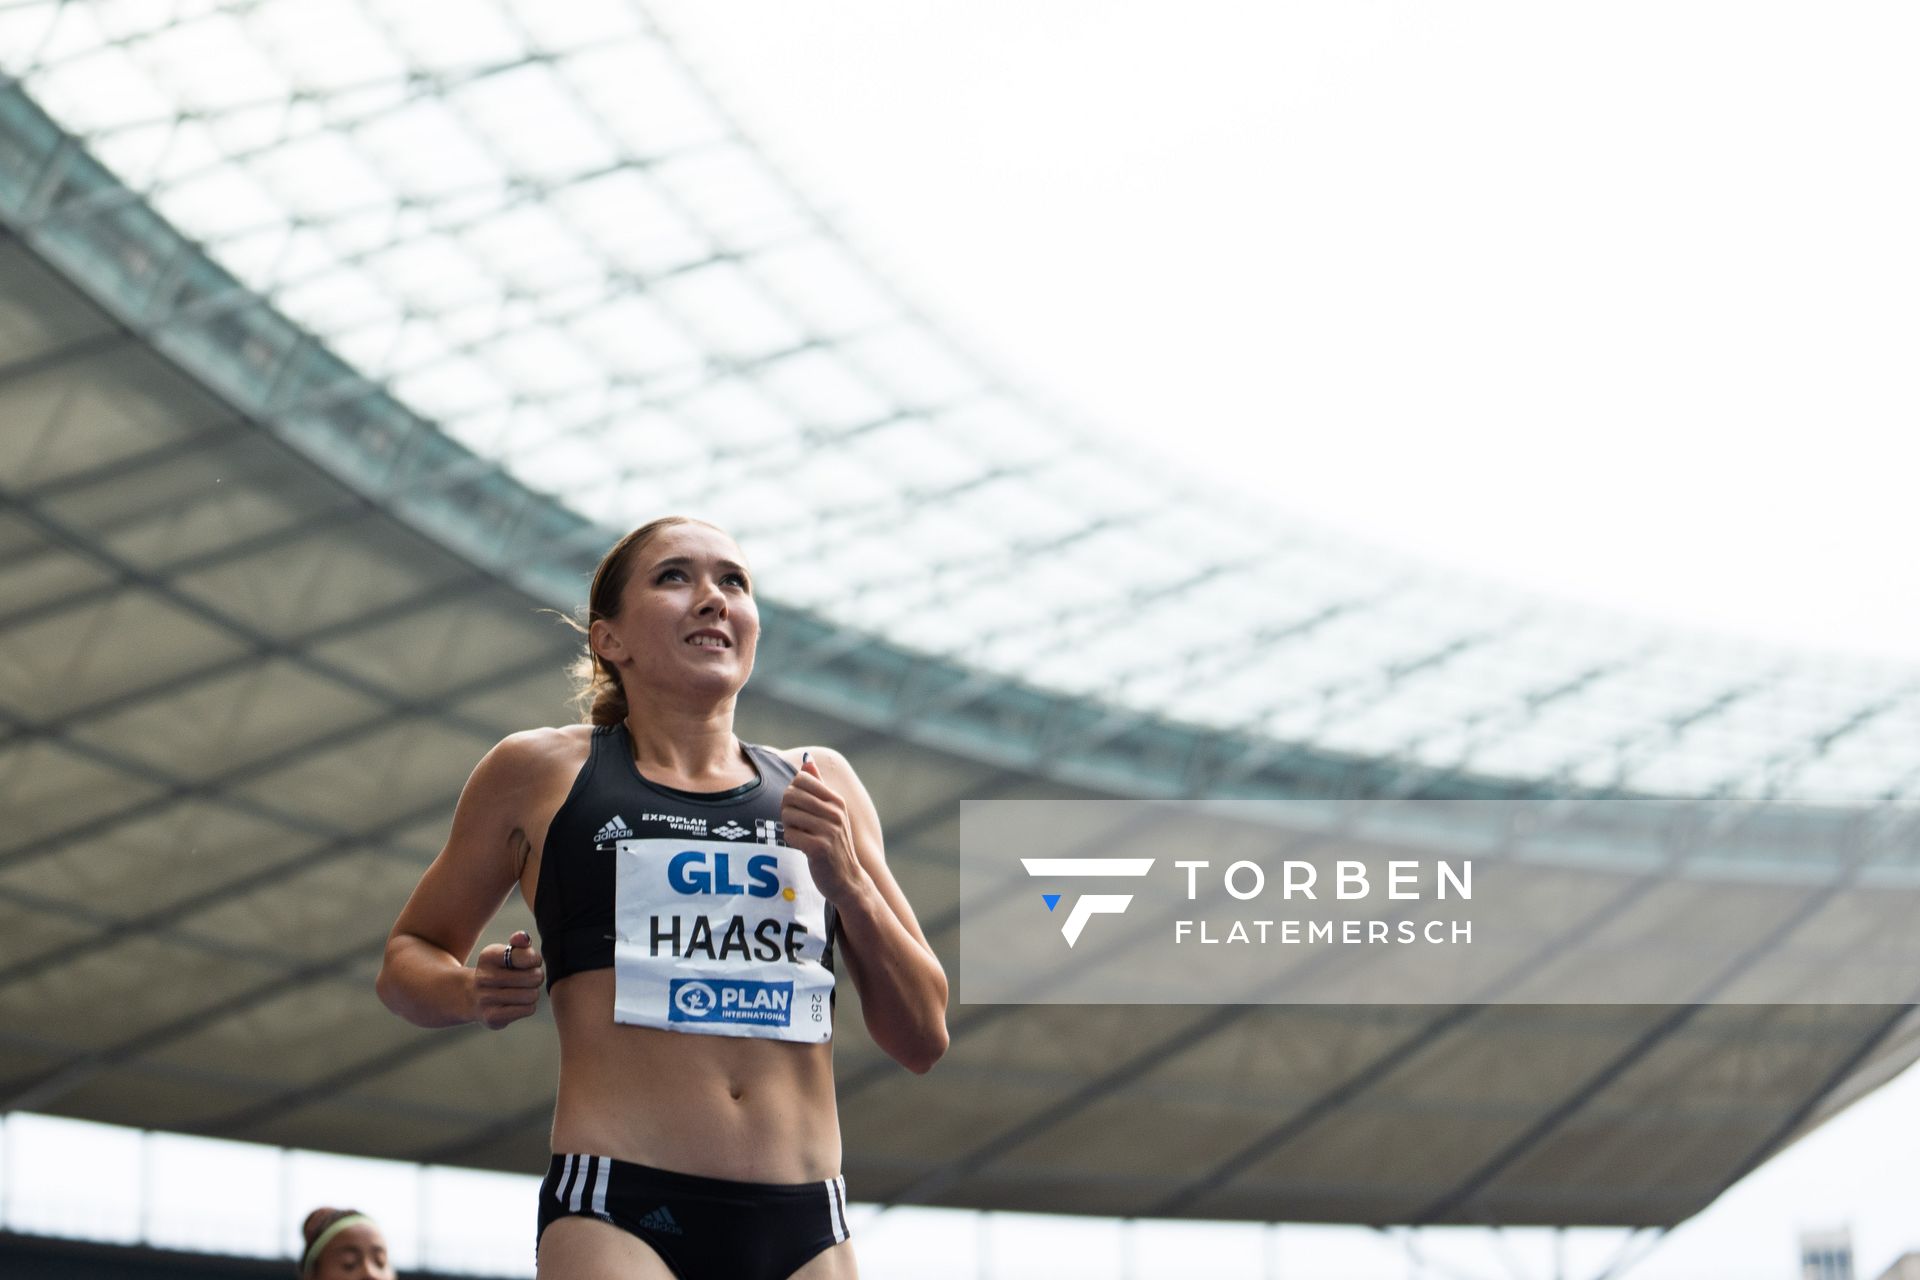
{"type": "Point", "coordinates": [749, 1109]}
{"type": "Point", "coordinates": [719, 1106]}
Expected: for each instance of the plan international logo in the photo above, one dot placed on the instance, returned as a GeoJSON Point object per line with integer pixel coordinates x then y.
{"type": "Point", "coordinates": [1088, 904]}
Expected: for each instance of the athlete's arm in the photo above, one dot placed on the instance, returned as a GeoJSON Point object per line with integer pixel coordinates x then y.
{"type": "Point", "coordinates": [425, 978]}
{"type": "Point", "coordinates": [829, 816]}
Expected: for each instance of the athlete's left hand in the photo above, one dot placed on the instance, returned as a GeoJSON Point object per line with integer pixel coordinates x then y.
{"type": "Point", "coordinates": [817, 823]}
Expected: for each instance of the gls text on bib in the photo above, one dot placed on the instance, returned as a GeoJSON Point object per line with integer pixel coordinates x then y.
{"type": "Point", "coordinates": [720, 939]}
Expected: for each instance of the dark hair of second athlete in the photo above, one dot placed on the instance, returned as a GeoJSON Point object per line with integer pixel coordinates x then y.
{"type": "Point", "coordinates": [343, 1244]}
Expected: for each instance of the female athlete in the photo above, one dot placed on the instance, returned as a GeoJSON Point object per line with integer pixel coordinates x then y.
{"type": "Point", "coordinates": [343, 1244]}
{"type": "Point", "coordinates": [693, 895]}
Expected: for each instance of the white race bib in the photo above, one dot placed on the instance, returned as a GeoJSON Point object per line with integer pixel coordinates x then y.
{"type": "Point", "coordinates": [720, 939]}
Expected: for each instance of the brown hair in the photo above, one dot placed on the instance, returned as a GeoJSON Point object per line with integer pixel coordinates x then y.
{"type": "Point", "coordinates": [598, 694]}
{"type": "Point", "coordinates": [317, 1222]}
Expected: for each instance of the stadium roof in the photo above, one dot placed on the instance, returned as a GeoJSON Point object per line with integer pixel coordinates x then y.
{"type": "Point", "coordinates": [535, 227]}
{"type": "Point", "coordinates": [271, 587]}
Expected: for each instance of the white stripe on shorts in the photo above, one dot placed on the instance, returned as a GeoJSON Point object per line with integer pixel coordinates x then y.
{"type": "Point", "coordinates": [837, 1208]}
{"type": "Point", "coordinates": [566, 1176]}
{"type": "Point", "coordinates": [600, 1187]}
{"type": "Point", "coordinates": [580, 1184]}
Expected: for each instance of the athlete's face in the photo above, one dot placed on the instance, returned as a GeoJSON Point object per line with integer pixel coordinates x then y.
{"type": "Point", "coordinates": [358, 1253]}
{"type": "Point", "coordinates": [687, 618]}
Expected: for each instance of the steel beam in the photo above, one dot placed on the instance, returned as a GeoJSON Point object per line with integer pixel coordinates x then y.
{"type": "Point", "coordinates": [1876, 1035]}
{"type": "Point", "coordinates": [141, 579]}
{"type": "Point", "coordinates": [231, 623]}
{"type": "Point", "coordinates": [181, 682]}
{"type": "Point", "coordinates": [1210, 1023]}
{"type": "Point", "coordinates": [1610, 1071]}
{"type": "Point", "coordinates": [115, 931]}
{"type": "Point", "coordinates": [60, 357]}
{"type": "Point", "coordinates": [220, 789]}
{"type": "Point", "coordinates": [38, 1089]}
{"type": "Point", "coordinates": [285, 1102]}
{"type": "Point", "coordinates": [232, 1084]}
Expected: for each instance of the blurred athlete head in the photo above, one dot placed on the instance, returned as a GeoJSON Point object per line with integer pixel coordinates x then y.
{"type": "Point", "coordinates": [343, 1244]}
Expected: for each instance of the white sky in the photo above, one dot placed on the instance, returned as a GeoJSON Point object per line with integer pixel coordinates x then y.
{"type": "Point", "coordinates": [1617, 301]}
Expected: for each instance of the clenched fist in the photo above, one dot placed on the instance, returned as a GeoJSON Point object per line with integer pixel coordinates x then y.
{"type": "Point", "coordinates": [506, 982]}
{"type": "Point", "coordinates": [817, 823]}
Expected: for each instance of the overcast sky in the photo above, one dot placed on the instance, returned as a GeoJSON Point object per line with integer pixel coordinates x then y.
{"type": "Point", "coordinates": [1616, 301]}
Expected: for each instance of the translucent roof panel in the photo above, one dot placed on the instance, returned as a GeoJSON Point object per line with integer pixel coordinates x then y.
{"type": "Point", "coordinates": [535, 226]}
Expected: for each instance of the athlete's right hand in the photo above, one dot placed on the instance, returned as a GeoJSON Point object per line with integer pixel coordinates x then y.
{"type": "Point", "coordinates": [502, 995]}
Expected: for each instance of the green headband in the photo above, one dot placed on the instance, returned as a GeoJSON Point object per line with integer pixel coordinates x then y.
{"type": "Point", "coordinates": [321, 1241]}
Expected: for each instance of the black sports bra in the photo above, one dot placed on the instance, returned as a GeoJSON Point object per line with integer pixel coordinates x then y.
{"type": "Point", "coordinates": [610, 802]}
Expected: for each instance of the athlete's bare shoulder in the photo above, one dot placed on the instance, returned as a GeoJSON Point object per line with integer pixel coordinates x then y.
{"type": "Point", "coordinates": [532, 749]}
{"type": "Point", "coordinates": [516, 787]}
{"type": "Point", "coordinates": [533, 758]}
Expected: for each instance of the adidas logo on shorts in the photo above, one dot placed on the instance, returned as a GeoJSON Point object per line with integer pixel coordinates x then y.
{"type": "Point", "coordinates": [661, 1220]}
{"type": "Point", "coordinates": [616, 829]}
{"type": "Point", "coordinates": [732, 831]}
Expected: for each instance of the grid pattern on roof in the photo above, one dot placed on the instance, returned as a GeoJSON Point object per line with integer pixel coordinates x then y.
{"type": "Point", "coordinates": [535, 226]}
{"type": "Point", "coordinates": [238, 695]}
